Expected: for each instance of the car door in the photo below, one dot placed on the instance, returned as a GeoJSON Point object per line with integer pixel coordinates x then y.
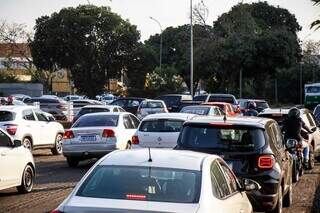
{"type": "Point", "coordinates": [10, 162]}
{"type": "Point", "coordinates": [315, 127]}
{"type": "Point", "coordinates": [229, 198]}
{"type": "Point", "coordinates": [46, 132]}
{"type": "Point", "coordinates": [128, 131]}
{"type": "Point", "coordinates": [30, 124]}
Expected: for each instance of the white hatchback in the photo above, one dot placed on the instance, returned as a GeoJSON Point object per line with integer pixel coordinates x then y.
{"type": "Point", "coordinates": [96, 134]}
{"type": "Point", "coordinates": [160, 130]}
{"type": "Point", "coordinates": [33, 127]}
{"type": "Point", "coordinates": [148, 107]}
{"type": "Point", "coordinates": [17, 168]}
{"type": "Point", "coordinates": [159, 180]}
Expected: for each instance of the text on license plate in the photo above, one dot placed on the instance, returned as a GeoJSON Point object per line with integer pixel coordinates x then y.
{"type": "Point", "coordinates": [90, 138]}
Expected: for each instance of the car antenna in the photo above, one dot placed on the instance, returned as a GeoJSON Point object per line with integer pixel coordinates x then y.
{"type": "Point", "coordinates": [150, 159]}
{"type": "Point", "coordinates": [225, 118]}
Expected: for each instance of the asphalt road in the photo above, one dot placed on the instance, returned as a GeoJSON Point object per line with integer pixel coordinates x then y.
{"type": "Point", "coordinates": [55, 180]}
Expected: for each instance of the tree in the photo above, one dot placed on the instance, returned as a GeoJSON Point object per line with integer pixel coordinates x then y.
{"type": "Point", "coordinates": [92, 42]}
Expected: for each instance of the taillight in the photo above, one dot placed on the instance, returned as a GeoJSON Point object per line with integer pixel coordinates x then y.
{"type": "Point", "coordinates": [11, 128]}
{"type": "Point", "coordinates": [135, 139]}
{"type": "Point", "coordinates": [68, 134]}
{"type": "Point", "coordinates": [265, 162]}
{"type": "Point", "coordinates": [108, 133]}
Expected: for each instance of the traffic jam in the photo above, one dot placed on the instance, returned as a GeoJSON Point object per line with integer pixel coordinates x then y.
{"type": "Point", "coordinates": [174, 153]}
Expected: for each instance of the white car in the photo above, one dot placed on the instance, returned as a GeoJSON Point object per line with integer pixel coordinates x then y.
{"type": "Point", "coordinates": [97, 108]}
{"type": "Point", "coordinates": [33, 127]}
{"type": "Point", "coordinates": [97, 134]}
{"type": "Point", "coordinates": [159, 180]}
{"type": "Point", "coordinates": [160, 130]}
{"type": "Point", "coordinates": [148, 107]}
{"type": "Point", "coordinates": [16, 163]}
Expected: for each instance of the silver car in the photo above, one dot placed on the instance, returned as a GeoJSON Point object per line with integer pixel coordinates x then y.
{"type": "Point", "coordinates": [159, 180]}
{"type": "Point", "coordinates": [148, 107]}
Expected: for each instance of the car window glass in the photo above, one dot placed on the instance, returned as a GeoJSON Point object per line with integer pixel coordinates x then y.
{"type": "Point", "coordinates": [40, 116]}
{"type": "Point", "coordinates": [230, 177]}
{"type": "Point", "coordinates": [97, 120]}
{"type": "Point", "coordinates": [28, 115]}
{"type": "Point", "coordinates": [121, 103]}
{"type": "Point", "coordinates": [229, 108]}
{"type": "Point", "coordinates": [135, 121]}
{"type": "Point", "coordinates": [310, 119]}
{"type": "Point", "coordinates": [220, 187]}
{"type": "Point", "coordinates": [7, 116]}
{"type": "Point", "coordinates": [121, 110]}
{"type": "Point", "coordinates": [133, 103]}
{"type": "Point", "coordinates": [4, 140]}
{"type": "Point", "coordinates": [161, 125]}
{"type": "Point", "coordinates": [127, 122]}
{"type": "Point", "coordinates": [305, 119]}
{"type": "Point", "coordinates": [115, 109]}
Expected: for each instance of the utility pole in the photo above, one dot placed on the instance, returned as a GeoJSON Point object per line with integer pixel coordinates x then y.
{"type": "Point", "coordinates": [240, 82]}
{"type": "Point", "coordinates": [301, 92]}
{"type": "Point", "coordinates": [160, 40]}
{"type": "Point", "coordinates": [191, 49]}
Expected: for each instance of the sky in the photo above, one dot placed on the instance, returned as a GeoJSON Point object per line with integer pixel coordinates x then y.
{"type": "Point", "coordinates": [167, 12]}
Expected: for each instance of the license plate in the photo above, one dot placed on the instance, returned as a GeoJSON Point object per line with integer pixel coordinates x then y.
{"type": "Point", "coordinates": [88, 138]}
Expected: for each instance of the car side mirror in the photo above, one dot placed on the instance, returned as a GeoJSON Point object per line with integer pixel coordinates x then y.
{"type": "Point", "coordinates": [291, 143]}
{"type": "Point", "coordinates": [50, 119]}
{"type": "Point", "coordinates": [250, 185]}
{"type": "Point", "coordinates": [17, 143]}
{"type": "Point", "coordinates": [313, 129]}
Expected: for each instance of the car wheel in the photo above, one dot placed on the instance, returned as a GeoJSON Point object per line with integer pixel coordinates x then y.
{"type": "Point", "coordinates": [278, 208]}
{"type": "Point", "coordinates": [57, 150]}
{"type": "Point", "coordinates": [129, 146]}
{"type": "Point", "coordinates": [72, 162]}
{"type": "Point", "coordinates": [27, 180]}
{"type": "Point", "coordinates": [26, 142]}
{"type": "Point", "coordinates": [311, 159]}
{"type": "Point", "coordinates": [295, 173]}
{"type": "Point", "coordinates": [287, 200]}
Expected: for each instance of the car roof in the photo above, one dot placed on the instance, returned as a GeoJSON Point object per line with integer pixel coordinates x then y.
{"type": "Point", "coordinates": [129, 98]}
{"type": "Point", "coordinates": [174, 95]}
{"type": "Point", "coordinates": [163, 158]}
{"type": "Point", "coordinates": [100, 106]}
{"type": "Point", "coordinates": [255, 100]}
{"type": "Point", "coordinates": [218, 103]}
{"type": "Point", "coordinates": [200, 106]}
{"type": "Point", "coordinates": [275, 111]}
{"type": "Point", "coordinates": [16, 108]}
{"type": "Point", "coordinates": [106, 113]}
{"type": "Point", "coordinates": [181, 116]}
{"type": "Point", "coordinates": [257, 122]}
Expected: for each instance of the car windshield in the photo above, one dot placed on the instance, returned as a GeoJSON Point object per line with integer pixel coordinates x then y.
{"type": "Point", "coordinates": [84, 111]}
{"type": "Point", "coordinates": [229, 100]}
{"type": "Point", "coordinates": [7, 116]}
{"type": "Point", "coordinates": [196, 110]}
{"type": "Point", "coordinates": [161, 125]}
{"type": "Point", "coordinates": [171, 100]}
{"type": "Point", "coordinates": [235, 139]}
{"type": "Point", "coordinates": [313, 89]}
{"type": "Point", "coordinates": [151, 104]}
{"type": "Point", "coordinates": [142, 183]}
{"type": "Point", "coordinates": [262, 105]}
{"type": "Point", "coordinates": [97, 120]}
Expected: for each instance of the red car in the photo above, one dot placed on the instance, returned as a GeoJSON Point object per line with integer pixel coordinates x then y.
{"type": "Point", "coordinates": [226, 107]}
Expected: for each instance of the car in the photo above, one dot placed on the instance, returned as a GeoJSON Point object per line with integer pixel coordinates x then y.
{"type": "Point", "coordinates": [160, 130]}
{"type": "Point", "coordinates": [107, 99]}
{"type": "Point", "coordinates": [202, 110]}
{"type": "Point", "coordinates": [129, 104]}
{"type": "Point", "coordinates": [55, 106]}
{"type": "Point", "coordinates": [148, 107]}
{"type": "Point", "coordinates": [33, 127]}
{"type": "Point", "coordinates": [316, 113]}
{"type": "Point", "coordinates": [225, 107]}
{"type": "Point", "coordinates": [20, 97]}
{"type": "Point", "coordinates": [96, 134]}
{"type": "Point", "coordinates": [72, 97]}
{"type": "Point", "coordinates": [228, 98]}
{"type": "Point", "coordinates": [309, 119]}
{"type": "Point", "coordinates": [173, 101]}
{"type": "Point", "coordinates": [78, 104]}
{"type": "Point", "coordinates": [97, 108]}
{"type": "Point", "coordinates": [252, 147]}
{"type": "Point", "coordinates": [16, 163]}
{"type": "Point", "coordinates": [261, 104]}
{"type": "Point", "coordinates": [159, 180]}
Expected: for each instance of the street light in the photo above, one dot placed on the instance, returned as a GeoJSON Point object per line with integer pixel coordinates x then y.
{"type": "Point", "coordinates": [191, 49]}
{"type": "Point", "coordinates": [160, 39]}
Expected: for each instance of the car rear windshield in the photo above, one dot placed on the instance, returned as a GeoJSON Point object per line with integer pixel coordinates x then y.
{"type": "Point", "coordinates": [280, 118]}
{"type": "Point", "coordinates": [196, 110]}
{"type": "Point", "coordinates": [84, 111]}
{"type": "Point", "coordinates": [161, 125]}
{"type": "Point", "coordinates": [7, 116]}
{"type": "Point", "coordinates": [97, 120]}
{"type": "Point", "coordinates": [222, 99]}
{"type": "Point", "coordinates": [151, 104]}
{"type": "Point", "coordinates": [143, 183]}
{"type": "Point", "coordinates": [171, 100]}
{"type": "Point", "coordinates": [262, 104]}
{"type": "Point", "coordinates": [233, 139]}
{"type": "Point", "coordinates": [200, 98]}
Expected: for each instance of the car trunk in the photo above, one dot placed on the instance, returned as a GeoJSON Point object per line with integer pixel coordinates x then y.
{"type": "Point", "coordinates": [91, 134]}
{"type": "Point", "coordinates": [158, 139]}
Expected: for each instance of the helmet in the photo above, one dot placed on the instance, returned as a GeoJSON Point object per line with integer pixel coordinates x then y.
{"type": "Point", "coordinates": [10, 100]}
{"type": "Point", "coordinates": [252, 105]}
{"type": "Point", "coordinates": [294, 112]}
{"type": "Point", "coordinates": [3, 101]}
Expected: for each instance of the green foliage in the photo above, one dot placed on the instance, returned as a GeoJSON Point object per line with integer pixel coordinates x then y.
{"type": "Point", "coordinates": [166, 80]}
{"type": "Point", "coordinates": [8, 78]}
{"type": "Point", "coordinates": [94, 43]}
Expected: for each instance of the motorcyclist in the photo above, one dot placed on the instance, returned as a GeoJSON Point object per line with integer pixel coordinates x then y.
{"type": "Point", "coordinates": [251, 109]}
{"type": "Point", "coordinates": [10, 100]}
{"type": "Point", "coordinates": [292, 127]}
{"type": "Point", "coordinates": [3, 101]}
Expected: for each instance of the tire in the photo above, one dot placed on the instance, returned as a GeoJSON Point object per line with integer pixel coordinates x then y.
{"type": "Point", "coordinates": [278, 208]}
{"type": "Point", "coordinates": [27, 180]}
{"type": "Point", "coordinates": [129, 146]}
{"type": "Point", "coordinates": [57, 150]}
{"type": "Point", "coordinates": [27, 143]}
{"type": "Point", "coordinates": [295, 173]}
{"type": "Point", "coordinates": [287, 199]}
{"type": "Point", "coordinates": [311, 159]}
{"type": "Point", "coordinates": [72, 162]}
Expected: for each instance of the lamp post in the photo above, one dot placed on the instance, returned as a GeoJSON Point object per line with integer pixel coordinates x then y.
{"type": "Point", "coordinates": [160, 39]}
{"type": "Point", "coordinates": [191, 49]}
{"type": "Point", "coordinates": [301, 83]}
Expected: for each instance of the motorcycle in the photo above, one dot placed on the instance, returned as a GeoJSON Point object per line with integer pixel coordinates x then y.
{"type": "Point", "coordinates": [295, 148]}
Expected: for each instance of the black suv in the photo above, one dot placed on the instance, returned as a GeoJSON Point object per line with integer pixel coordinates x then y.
{"type": "Point", "coordinates": [253, 148]}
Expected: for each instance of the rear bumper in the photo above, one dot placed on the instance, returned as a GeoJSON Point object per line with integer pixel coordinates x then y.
{"type": "Point", "coordinates": [87, 150]}
{"type": "Point", "coordinates": [262, 202]}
